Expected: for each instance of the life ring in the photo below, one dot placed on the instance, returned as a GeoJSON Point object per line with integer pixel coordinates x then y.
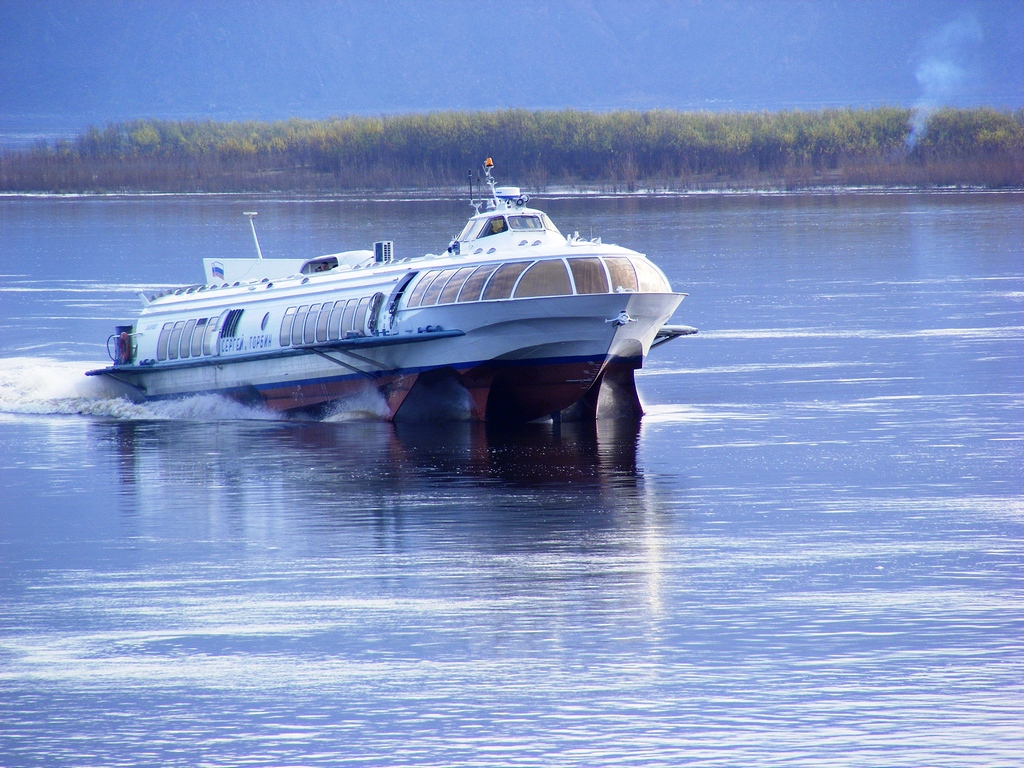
{"type": "Point", "coordinates": [124, 348]}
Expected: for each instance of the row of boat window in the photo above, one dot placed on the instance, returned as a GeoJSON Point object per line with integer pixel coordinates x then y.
{"type": "Point", "coordinates": [527, 279]}
{"type": "Point", "coordinates": [330, 321]}
{"type": "Point", "coordinates": [333, 321]}
{"type": "Point", "coordinates": [195, 338]}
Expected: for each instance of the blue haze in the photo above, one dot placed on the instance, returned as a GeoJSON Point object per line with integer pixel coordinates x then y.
{"type": "Point", "coordinates": [68, 63]}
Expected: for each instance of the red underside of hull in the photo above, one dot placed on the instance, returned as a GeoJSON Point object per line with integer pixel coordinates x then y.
{"type": "Point", "coordinates": [497, 391]}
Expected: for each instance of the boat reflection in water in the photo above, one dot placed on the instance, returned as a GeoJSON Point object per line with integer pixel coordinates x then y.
{"type": "Point", "coordinates": [476, 480]}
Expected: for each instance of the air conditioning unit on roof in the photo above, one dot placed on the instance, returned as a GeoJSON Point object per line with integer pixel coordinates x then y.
{"type": "Point", "coordinates": [384, 251]}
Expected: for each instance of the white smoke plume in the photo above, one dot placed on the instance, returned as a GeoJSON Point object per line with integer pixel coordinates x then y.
{"type": "Point", "coordinates": [942, 72]}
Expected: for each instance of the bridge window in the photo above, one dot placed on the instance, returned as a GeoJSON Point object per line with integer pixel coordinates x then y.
{"type": "Point", "coordinates": [475, 284]}
{"type": "Point", "coordinates": [545, 278]}
{"type": "Point", "coordinates": [495, 226]}
{"type": "Point", "coordinates": [471, 230]}
{"type": "Point", "coordinates": [504, 278]}
{"type": "Point", "coordinates": [451, 291]}
{"type": "Point", "coordinates": [532, 223]}
{"type": "Point", "coordinates": [622, 274]}
{"type": "Point", "coordinates": [589, 276]}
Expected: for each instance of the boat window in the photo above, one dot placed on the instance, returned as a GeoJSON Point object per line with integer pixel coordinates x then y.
{"type": "Point", "coordinates": [197, 337]}
{"type": "Point", "coordinates": [526, 222]}
{"type": "Point", "coordinates": [451, 291]}
{"type": "Point", "coordinates": [309, 334]}
{"type": "Point", "coordinates": [549, 225]}
{"type": "Point", "coordinates": [298, 323]}
{"type": "Point", "coordinates": [475, 284]}
{"type": "Point", "coordinates": [321, 321]}
{"type": "Point", "coordinates": [589, 276]}
{"type": "Point", "coordinates": [649, 278]}
{"type": "Point", "coordinates": [504, 278]}
{"type": "Point", "coordinates": [464, 234]}
{"type": "Point", "coordinates": [286, 327]}
{"type": "Point", "coordinates": [350, 312]}
{"type": "Point", "coordinates": [172, 347]}
{"type": "Point", "coordinates": [186, 339]}
{"type": "Point", "coordinates": [161, 344]}
{"type": "Point", "coordinates": [431, 294]}
{"type": "Point", "coordinates": [545, 278]}
{"type": "Point", "coordinates": [471, 230]}
{"type": "Point", "coordinates": [266, 319]}
{"type": "Point", "coordinates": [360, 320]}
{"type": "Point", "coordinates": [495, 226]}
{"type": "Point", "coordinates": [421, 287]}
{"type": "Point", "coordinates": [320, 264]}
{"type": "Point", "coordinates": [373, 312]}
{"type": "Point", "coordinates": [209, 343]}
{"type": "Point", "coordinates": [622, 274]}
{"type": "Point", "coordinates": [334, 326]}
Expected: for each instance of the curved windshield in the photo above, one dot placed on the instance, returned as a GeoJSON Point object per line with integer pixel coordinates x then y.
{"type": "Point", "coordinates": [470, 230]}
{"type": "Point", "coordinates": [495, 226]}
{"type": "Point", "coordinates": [526, 223]}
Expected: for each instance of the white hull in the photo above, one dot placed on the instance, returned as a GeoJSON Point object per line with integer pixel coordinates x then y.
{"type": "Point", "coordinates": [514, 322]}
{"type": "Point", "coordinates": [568, 336]}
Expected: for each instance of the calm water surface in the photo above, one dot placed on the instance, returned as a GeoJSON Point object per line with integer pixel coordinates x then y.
{"type": "Point", "coordinates": [809, 552]}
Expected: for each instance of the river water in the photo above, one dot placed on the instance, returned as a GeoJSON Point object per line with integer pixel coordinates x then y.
{"type": "Point", "coordinates": [808, 553]}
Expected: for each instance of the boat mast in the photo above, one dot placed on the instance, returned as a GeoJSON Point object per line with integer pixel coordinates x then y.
{"type": "Point", "coordinates": [252, 224]}
{"type": "Point", "coordinates": [488, 164]}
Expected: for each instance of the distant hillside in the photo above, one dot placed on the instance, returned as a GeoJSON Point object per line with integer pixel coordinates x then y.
{"type": "Point", "coordinates": [616, 151]}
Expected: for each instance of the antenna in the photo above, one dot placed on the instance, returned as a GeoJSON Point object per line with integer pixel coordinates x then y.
{"type": "Point", "coordinates": [252, 224]}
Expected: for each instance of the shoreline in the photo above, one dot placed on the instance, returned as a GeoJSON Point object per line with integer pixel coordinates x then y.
{"type": "Point", "coordinates": [553, 152]}
{"type": "Point", "coordinates": [415, 195]}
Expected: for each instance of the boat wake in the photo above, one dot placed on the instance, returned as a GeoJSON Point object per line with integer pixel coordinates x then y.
{"type": "Point", "coordinates": [45, 386]}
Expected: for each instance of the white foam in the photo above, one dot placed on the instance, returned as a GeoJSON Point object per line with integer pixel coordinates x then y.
{"type": "Point", "coordinates": [39, 385]}
{"type": "Point", "coordinates": [366, 405]}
